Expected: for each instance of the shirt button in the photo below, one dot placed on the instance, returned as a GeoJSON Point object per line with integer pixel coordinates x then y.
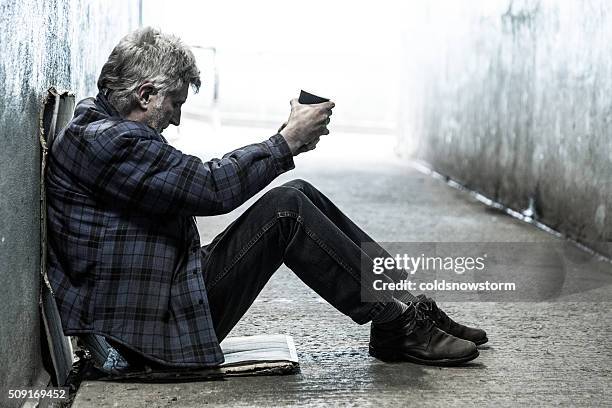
{"type": "Point", "coordinates": [201, 301]}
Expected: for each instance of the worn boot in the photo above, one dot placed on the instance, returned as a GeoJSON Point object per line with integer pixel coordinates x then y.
{"type": "Point", "coordinates": [414, 337]}
{"type": "Point", "coordinates": [445, 323]}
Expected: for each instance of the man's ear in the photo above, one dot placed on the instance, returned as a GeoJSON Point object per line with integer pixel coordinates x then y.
{"type": "Point", "coordinates": [144, 92]}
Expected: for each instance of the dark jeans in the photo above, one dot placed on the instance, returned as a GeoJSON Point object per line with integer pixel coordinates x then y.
{"type": "Point", "coordinates": [297, 225]}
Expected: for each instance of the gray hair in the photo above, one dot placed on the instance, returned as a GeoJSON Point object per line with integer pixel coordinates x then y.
{"type": "Point", "coordinates": [147, 55]}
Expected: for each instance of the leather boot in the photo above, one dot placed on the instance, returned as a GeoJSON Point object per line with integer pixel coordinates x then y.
{"type": "Point", "coordinates": [445, 323]}
{"type": "Point", "coordinates": [414, 337]}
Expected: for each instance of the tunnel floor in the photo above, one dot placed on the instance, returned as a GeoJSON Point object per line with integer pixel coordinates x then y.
{"type": "Point", "coordinates": [539, 353]}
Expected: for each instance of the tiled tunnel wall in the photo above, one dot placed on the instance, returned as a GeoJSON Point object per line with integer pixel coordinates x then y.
{"type": "Point", "coordinates": [42, 43]}
{"type": "Point", "coordinates": [514, 100]}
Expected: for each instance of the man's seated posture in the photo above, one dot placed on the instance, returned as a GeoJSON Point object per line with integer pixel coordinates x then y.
{"type": "Point", "coordinates": [125, 262]}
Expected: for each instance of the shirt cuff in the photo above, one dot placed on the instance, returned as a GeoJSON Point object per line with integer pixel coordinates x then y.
{"type": "Point", "coordinates": [283, 158]}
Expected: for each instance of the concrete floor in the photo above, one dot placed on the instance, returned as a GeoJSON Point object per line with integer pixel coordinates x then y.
{"type": "Point", "coordinates": [544, 353]}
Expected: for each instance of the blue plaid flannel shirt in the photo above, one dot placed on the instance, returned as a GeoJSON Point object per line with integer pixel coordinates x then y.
{"type": "Point", "coordinates": [124, 251]}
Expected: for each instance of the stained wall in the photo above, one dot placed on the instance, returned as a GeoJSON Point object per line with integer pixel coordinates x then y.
{"type": "Point", "coordinates": [42, 43]}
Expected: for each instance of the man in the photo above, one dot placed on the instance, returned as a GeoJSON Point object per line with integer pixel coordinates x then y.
{"type": "Point", "coordinates": [125, 261]}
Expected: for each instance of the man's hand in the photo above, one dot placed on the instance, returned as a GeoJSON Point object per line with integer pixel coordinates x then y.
{"type": "Point", "coordinates": [305, 125]}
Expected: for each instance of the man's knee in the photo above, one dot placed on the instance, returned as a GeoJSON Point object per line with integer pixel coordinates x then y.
{"type": "Point", "coordinates": [302, 185]}
{"type": "Point", "coordinates": [285, 198]}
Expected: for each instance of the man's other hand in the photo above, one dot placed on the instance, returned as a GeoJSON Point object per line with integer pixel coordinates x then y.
{"type": "Point", "coordinates": [305, 125]}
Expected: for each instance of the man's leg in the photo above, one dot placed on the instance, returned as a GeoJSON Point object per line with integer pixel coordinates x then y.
{"type": "Point", "coordinates": [285, 226]}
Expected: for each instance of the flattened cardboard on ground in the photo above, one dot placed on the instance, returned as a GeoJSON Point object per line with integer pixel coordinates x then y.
{"type": "Point", "coordinates": [267, 354]}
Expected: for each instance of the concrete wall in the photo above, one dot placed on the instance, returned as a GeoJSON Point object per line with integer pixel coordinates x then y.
{"type": "Point", "coordinates": [42, 43]}
{"type": "Point", "coordinates": [514, 99]}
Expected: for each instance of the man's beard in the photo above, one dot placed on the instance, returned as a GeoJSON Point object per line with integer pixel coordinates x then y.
{"type": "Point", "coordinates": [156, 118]}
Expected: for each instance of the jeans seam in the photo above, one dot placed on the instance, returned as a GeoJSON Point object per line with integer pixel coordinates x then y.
{"type": "Point", "coordinates": [327, 249]}
{"type": "Point", "coordinates": [335, 257]}
{"type": "Point", "coordinates": [243, 251]}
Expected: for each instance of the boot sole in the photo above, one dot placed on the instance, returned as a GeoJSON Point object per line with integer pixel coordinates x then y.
{"type": "Point", "coordinates": [395, 356]}
{"type": "Point", "coordinates": [481, 341]}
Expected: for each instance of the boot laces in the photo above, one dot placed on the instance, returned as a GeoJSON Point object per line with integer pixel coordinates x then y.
{"type": "Point", "coordinates": [434, 312]}
{"type": "Point", "coordinates": [421, 316]}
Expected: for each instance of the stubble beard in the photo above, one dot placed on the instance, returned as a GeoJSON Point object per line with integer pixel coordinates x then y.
{"type": "Point", "coordinates": [156, 117]}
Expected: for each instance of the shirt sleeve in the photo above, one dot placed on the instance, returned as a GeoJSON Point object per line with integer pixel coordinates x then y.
{"type": "Point", "coordinates": [138, 171]}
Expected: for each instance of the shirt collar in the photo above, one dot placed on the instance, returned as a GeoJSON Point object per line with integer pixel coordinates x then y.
{"type": "Point", "coordinates": [103, 103]}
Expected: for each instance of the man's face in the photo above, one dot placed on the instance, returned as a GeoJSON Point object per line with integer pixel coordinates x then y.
{"type": "Point", "coordinates": [165, 109]}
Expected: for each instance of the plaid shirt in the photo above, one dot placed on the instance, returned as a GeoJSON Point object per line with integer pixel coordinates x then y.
{"type": "Point", "coordinates": [124, 250]}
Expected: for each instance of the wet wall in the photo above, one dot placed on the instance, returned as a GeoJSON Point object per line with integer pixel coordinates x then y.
{"type": "Point", "coordinates": [514, 100]}
{"type": "Point", "coordinates": [61, 43]}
